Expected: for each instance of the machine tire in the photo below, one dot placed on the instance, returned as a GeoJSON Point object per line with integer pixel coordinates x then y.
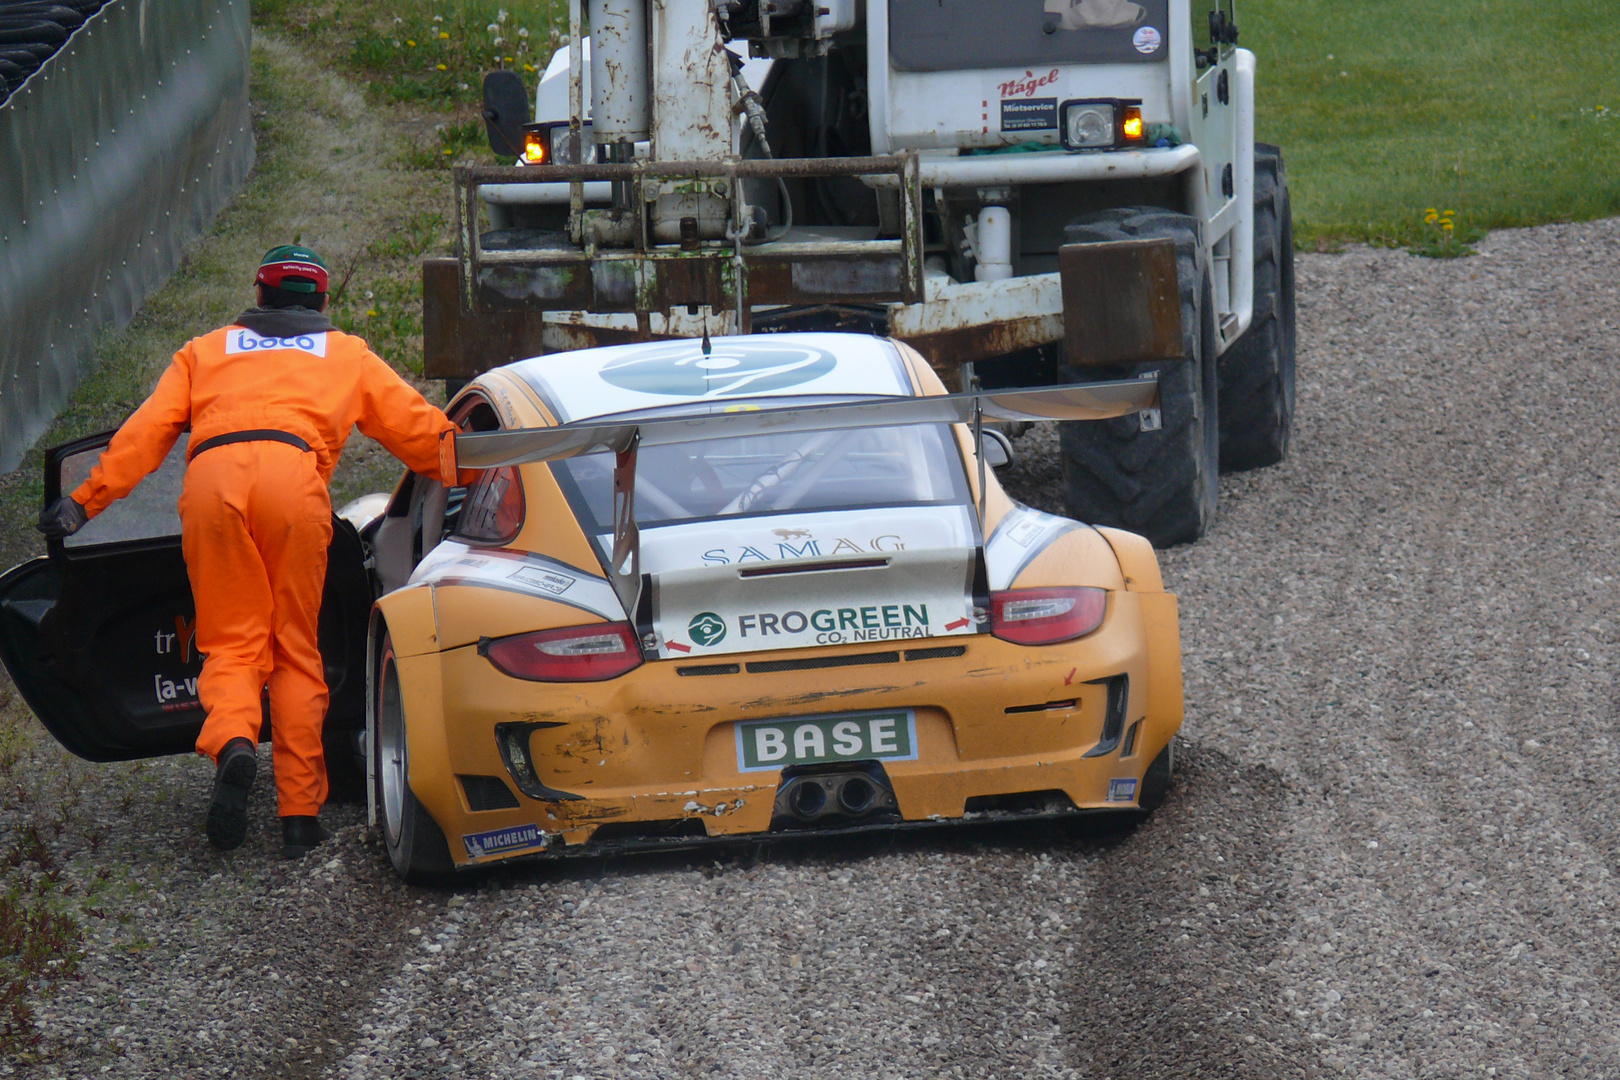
{"type": "Point", "coordinates": [1162, 484]}
{"type": "Point", "coordinates": [1157, 780]}
{"type": "Point", "coordinates": [415, 843]}
{"type": "Point", "coordinates": [1257, 372]}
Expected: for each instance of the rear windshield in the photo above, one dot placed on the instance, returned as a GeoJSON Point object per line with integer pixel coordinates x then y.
{"type": "Point", "coordinates": [770, 474]}
{"type": "Point", "coordinates": [930, 35]}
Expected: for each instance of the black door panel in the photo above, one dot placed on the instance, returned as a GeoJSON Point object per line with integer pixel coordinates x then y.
{"type": "Point", "coordinates": [99, 637]}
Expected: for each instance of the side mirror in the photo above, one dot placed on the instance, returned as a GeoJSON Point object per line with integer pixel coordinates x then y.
{"type": "Point", "coordinates": [506, 110]}
{"type": "Point", "coordinates": [996, 448]}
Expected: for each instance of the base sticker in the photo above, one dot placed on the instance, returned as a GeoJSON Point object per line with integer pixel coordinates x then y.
{"type": "Point", "coordinates": [1122, 789]}
{"type": "Point", "coordinates": [503, 841]}
{"type": "Point", "coordinates": [815, 740]}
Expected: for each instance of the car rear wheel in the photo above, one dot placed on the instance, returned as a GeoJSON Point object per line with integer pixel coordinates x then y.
{"type": "Point", "coordinates": [415, 843]}
{"type": "Point", "coordinates": [1162, 484]}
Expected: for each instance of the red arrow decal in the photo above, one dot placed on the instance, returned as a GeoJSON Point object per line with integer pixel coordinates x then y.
{"type": "Point", "coordinates": [956, 625]}
{"type": "Point", "coordinates": [677, 646]}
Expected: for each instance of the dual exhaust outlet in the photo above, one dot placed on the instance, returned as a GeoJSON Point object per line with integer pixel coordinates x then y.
{"type": "Point", "coordinates": [822, 797]}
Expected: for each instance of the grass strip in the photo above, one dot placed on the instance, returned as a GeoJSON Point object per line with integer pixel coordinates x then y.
{"type": "Point", "coordinates": [1505, 113]}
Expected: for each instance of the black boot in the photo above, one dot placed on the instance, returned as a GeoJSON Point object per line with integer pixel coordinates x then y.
{"type": "Point", "coordinates": [300, 835]}
{"type": "Point", "coordinates": [226, 824]}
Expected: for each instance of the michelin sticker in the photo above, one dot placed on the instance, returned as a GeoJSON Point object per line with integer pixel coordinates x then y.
{"type": "Point", "coordinates": [1122, 789]}
{"type": "Point", "coordinates": [502, 841]}
{"type": "Point", "coordinates": [246, 341]}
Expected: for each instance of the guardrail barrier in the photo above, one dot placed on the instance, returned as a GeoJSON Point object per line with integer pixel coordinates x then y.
{"type": "Point", "coordinates": [116, 152]}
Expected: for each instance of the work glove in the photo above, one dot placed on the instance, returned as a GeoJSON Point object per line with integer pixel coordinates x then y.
{"type": "Point", "coordinates": [64, 517]}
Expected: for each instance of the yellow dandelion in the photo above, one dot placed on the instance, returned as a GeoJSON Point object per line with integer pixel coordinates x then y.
{"type": "Point", "coordinates": [443, 68]}
{"type": "Point", "coordinates": [1430, 218]}
{"type": "Point", "coordinates": [411, 43]}
{"type": "Point", "coordinates": [1446, 225]}
{"type": "Point", "coordinates": [1450, 213]}
{"type": "Point", "coordinates": [508, 59]}
{"type": "Point", "coordinates": [443, 36]}
{"type": "Point", "coordinates": [528, 67]}
{"type": "Point", "coordinates": [371, 314]}
{"type": "Point", "coordinates": [449, 152]}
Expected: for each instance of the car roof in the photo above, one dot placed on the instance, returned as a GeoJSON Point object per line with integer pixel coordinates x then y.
{"type": "Point", "coordinates": [663, 376]}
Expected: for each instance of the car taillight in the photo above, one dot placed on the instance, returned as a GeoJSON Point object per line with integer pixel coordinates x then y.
{"type": "Point", "coordinates": [1044, 616]}
{"type": "Point", "coordinates": [572, 654]}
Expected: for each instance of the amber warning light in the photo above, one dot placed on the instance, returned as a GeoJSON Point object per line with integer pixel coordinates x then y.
{"type": "Point", "coordinates": [536, 146]}
{"type": "Point", "coordinates": [1132, 127]}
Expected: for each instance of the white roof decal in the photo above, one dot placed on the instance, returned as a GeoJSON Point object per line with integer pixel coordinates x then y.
{"type": "Point", "coordinates": [455, 563]}
{"type": "Point", "coordinates": [1020, 536]}
{"type": "Point", "coordinates": [655, 375]}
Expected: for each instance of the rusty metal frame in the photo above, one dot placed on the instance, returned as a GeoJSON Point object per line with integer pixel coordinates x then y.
{"type": "Point", "coordinates": [1121, 302]}
{"type": "Point", "coordinates": [721, 267]}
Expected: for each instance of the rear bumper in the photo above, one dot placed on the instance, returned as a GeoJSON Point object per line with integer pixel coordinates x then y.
{"type": "Point", "coordinates": [656, 746]}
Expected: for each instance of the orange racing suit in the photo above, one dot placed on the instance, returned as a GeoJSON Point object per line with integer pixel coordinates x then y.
{"type": "Point", "coordinates": [256, 515]}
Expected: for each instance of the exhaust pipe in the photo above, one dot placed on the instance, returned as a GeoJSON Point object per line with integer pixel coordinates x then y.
{"type": "Point", "coordinates": [832, 796]}
{"type": "Point", "coordinates": [806, 799]}
{"type": "Point", "coordinates": [855, 795]}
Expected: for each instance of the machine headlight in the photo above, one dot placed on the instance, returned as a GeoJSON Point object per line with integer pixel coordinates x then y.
{"type": "Point", "coordinates": [562, 151]}
{"type": "Point", "coordinates": [1089, 127]}
{"type": "Point", "coordinates": [1100, 125]}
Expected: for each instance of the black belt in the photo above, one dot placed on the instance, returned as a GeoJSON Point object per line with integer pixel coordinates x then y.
{"type": "Point", "coordinates": [256, 435]}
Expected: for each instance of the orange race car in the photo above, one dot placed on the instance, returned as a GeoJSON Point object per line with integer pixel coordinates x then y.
{"type": "Point", "coordinates": [698, 591]}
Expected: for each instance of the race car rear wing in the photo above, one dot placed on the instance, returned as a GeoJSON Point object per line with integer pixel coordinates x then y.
{"type": "Point", "coordinates": [740, 417]}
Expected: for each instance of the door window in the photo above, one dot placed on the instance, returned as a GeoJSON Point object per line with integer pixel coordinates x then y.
{"type": "Point", "coordinates": [929, 35]}
{"type": "Point", "coordinates": [151, 511]}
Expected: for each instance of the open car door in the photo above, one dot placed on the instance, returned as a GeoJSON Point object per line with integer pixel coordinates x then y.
{"type": "Point", "coordinates": [99, 634]}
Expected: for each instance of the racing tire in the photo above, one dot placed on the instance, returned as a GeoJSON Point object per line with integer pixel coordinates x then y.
{"type": "Point", "coordinates": [415, 843]}
{"type": "Point", "coordinates": [1257, 371]}
{"type": "Point", "coordinates": [1162, 484]}
{"type": "Point", "coordinates": [1157, 780]}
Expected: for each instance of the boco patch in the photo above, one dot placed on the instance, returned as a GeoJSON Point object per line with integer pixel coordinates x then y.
{"type": "Point", "coordinates": [731, 370]}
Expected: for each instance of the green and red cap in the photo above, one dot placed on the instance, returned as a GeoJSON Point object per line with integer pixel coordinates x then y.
{"type": "Point", "coordinates": [293, 268]}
